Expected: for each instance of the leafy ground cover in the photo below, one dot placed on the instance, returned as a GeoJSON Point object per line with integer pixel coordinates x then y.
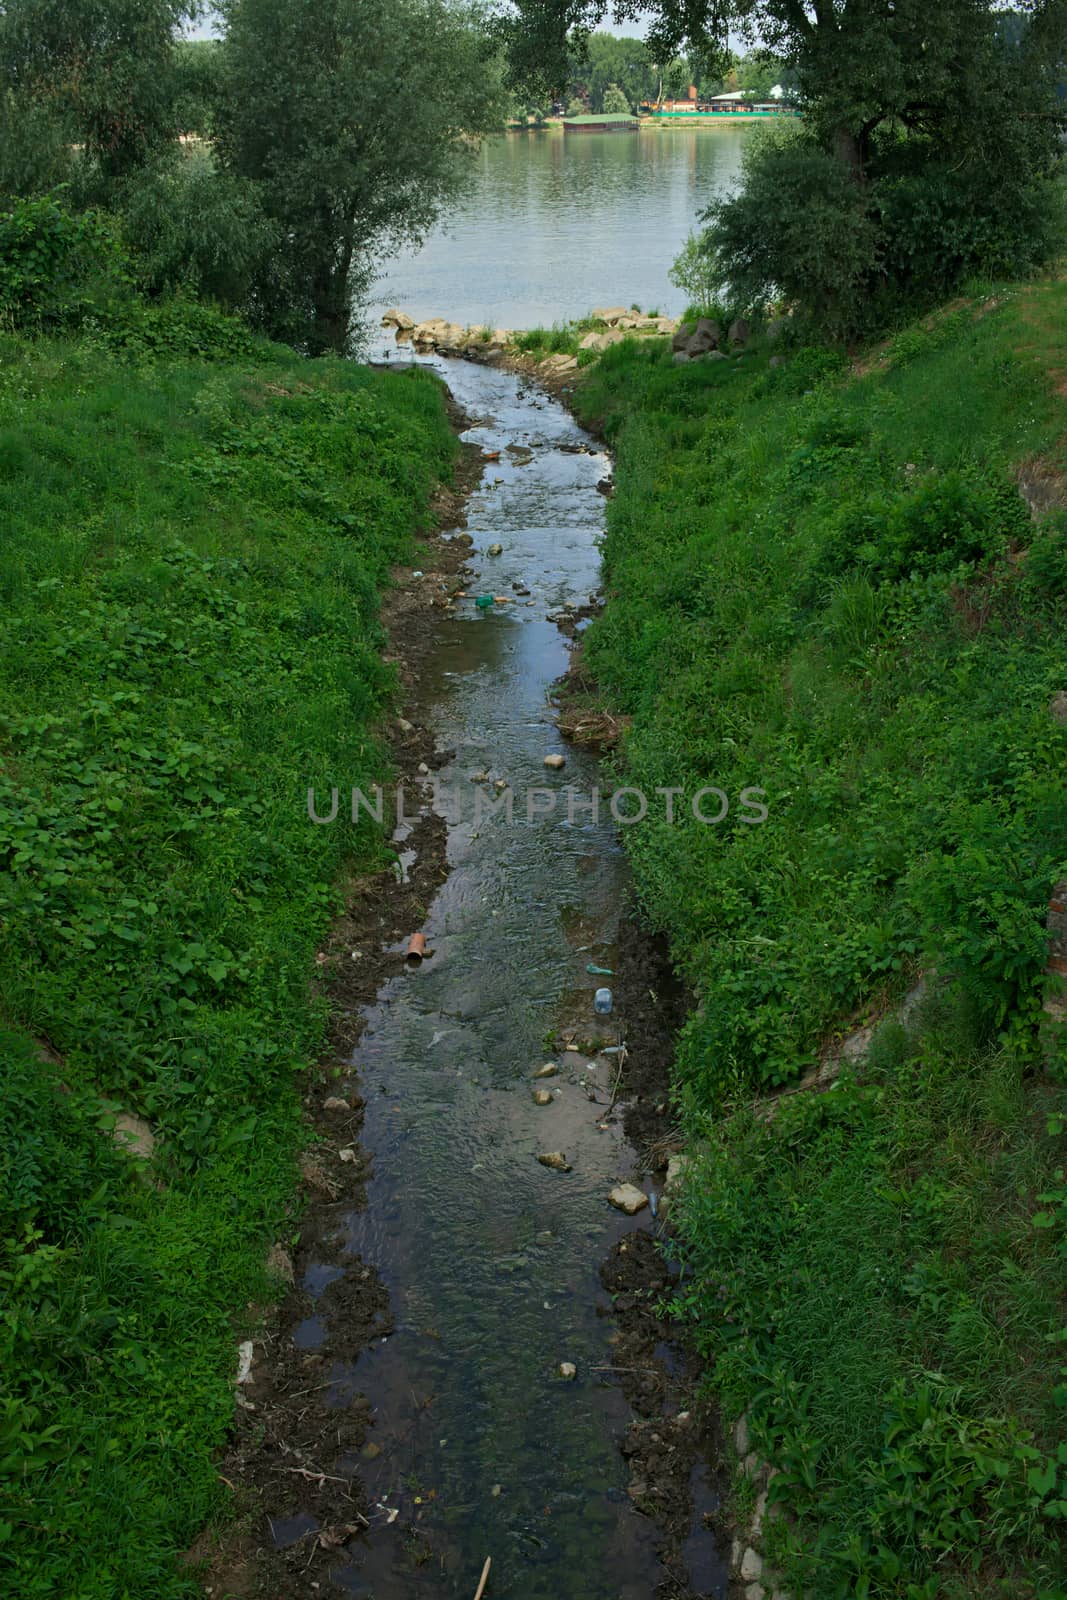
{"type": "Point", "coordinates": [196, 530]}
{"type": "Point", "coordinates": [823, 583]}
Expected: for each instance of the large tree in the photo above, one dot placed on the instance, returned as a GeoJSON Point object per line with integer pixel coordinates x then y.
{"type": "Point", "coordinates": [101, 73]}
{"type": "Point", "coordinates": [356, 119]}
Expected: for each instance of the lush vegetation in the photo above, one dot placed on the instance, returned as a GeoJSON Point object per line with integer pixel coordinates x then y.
{"type": "Point", "coordinates": [825, 583]}
{"type": "Point", "coordinates": [196, 528]}
{"type": "Point", "coordinates": [606, 72]}
{"type": "Point", "coordinates": [268, 171]}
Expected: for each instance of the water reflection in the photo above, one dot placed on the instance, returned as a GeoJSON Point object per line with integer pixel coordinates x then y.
{"type": "Point", "coordinates": [555, 224]}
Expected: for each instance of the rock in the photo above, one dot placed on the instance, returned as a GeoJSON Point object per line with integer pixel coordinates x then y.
{"type": "Point", "coordinates": [349, 1156]}
{"type": "Point", "coordinates": [280, 1264]}
{"type": "Point", "coordinates": [751, 1565]}
{"type": "Point", "coordinates": [452, 338]}
{"type": "Point", "coordinates": [611, 314]}
{"type": "Point", "coordinates": [707, 335]}
{"type": "Point", "coordinates": [676, 1170]}
{"type": "Point", "coordinates": [543, 1097]}
{"type": "Point", "coordinates": [559, 363]}
{"type": "Point", "coordinates": [682, 337]}
{"type": "Point", "coordinates": [495, 550]}
{"type": "Point", "coordinates": [244, 1362]}
{"type": "Point", "coordinates": [134, 1136]}
{"type": "Point", "coordinates": [398, 319]}
{"type": "Point", "coordinates": [627, 1197]}
{"type": "Point", "coordinates": [741, 1436]}
{"type": "Point", "coordinates": [500, 784]}
{"type": "Point", "coordinates": [755, 1591]}
{"type": "Point", "coordinates": [775, 362]}
{"type": "Point", "coordinates": [555, 763]}
{"type": "Point", "coordinates": [598, 342]}
{"type": "Point", "coordinates": [1057, 708]}
{"type": "Point", "coordinates": [427, 333]}
{"type": "Point", "coordinates": [776, 327]}
{"type": "Point", "coordinates": [567, 1370]}
{"type": "Point", "coordinates": [680, 357]}
{"type": "Point", "coordinates": [740, 332]}
{"type": "Point", "coordinates": [554, 1159]}
{"type": "Point", "coordinates": [424, 770]}
{"type": "Point", "coordinates": [334, 1102]}
{"type": "Point", "coordinates": [549, 1070]}
{"type": "Point", "coordinates": [758, 1514]}
{"type": "Point", "coordinates": [404, 726]}
{"type": "Point", "coordinates": [751, 1465]}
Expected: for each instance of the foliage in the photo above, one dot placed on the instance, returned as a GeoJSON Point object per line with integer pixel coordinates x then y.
{"type": "Point", "coordinates": [193, 227]}
{"type": "Point", "coordinates": [355, 139]}
{"type": "Point", "coordinates": [615, 100]}
{"type": "Point", "coordinates": [56, 268]}
{"type": "Point", "coordinates": [853, 257]}
{"type": "Point", "coordinates": [825, 584]}
{"type": "Point", "coordinates": [606, 61]}
{"type": "Point", "coordinates": [199, 85]}
{"type": "Point", "coordinates": [907, 1394]}
{"type": "Point", "coordinates": [104, 69]}
{"type": "Point", "coordinates": [190, 571]}
{"type": "Point", "coordinates": [693, 271]}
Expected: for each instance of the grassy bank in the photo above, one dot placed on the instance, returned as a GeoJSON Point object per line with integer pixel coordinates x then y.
{"type": "Point", "coordinates": [197, 527]}
{"type": "Point", "coordinates": [823, 583]}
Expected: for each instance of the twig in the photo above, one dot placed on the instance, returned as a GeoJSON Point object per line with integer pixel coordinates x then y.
{"type": "Point", "coordinates": [484, 1578]}
{"type": "Point", "coordinates": [618, 1078]}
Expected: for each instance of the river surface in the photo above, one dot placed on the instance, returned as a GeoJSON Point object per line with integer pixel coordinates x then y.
{"type": "Point", "coordinates": [491, 1260]}
{"type": "Point", "coordinates": [555, 224]}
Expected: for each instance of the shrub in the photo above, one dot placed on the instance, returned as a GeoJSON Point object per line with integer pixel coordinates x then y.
{"type": "Point", "coordinates": [194, 227]}
{"type": "Point", "coordinates": [57, 268]}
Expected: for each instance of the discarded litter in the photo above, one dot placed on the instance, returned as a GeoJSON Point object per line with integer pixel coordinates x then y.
{"type": "Point", "coordinates": [602, 1002]}
{"type": "Point", "coordinates": [599, 972]}
{"type": "Point", "coordinates": [416, 949]}
{"type": "Point", "coordinates": [483, 602]}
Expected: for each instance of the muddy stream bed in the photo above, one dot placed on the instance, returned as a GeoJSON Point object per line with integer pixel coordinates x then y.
{"type": "Point", "coordinates": [471, 1443]}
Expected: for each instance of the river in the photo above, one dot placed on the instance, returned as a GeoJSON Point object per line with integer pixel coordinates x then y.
{"type": "Point", "coordinates": [482, 1445]}
{"type": "Point", "coordinates": [554, 224]}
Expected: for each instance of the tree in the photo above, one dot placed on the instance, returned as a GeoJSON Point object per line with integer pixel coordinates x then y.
{"type": "Point", "coordinates": [356, 119]}
{"type": "Point", "coordinates": [614, 100]}
{"type": "Point", "coordinates": [607, 60]}
{"type": "Point", "coordinates": [102, 72]}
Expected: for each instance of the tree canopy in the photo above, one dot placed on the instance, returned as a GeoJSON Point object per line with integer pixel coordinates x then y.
{"type": "Point", "coordinates": [355, 120]}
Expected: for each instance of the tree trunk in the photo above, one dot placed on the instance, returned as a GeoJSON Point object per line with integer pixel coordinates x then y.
{"type": "Point", "coordinates": [848, 149]}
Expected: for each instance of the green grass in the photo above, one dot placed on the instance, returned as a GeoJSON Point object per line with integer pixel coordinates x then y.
{"type": "Point", "coordinates": [190, 567]}
{"type": "Point", "coordinates": [824, 584]}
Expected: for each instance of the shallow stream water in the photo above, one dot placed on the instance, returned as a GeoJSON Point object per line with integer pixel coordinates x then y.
{"type": "Point", "coordinates": [491, 1260]}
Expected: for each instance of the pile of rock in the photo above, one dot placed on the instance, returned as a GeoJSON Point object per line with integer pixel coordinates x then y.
{"type": "Point", "coordinates": [449, 338]}
{"type": "Point", "coordinates": [704, 339]}
{"type": "Point", "coordinates": [631, 321]}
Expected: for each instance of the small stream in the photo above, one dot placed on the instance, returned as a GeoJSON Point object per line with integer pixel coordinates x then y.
{"type": "Point", "coordinates": [491, 1260]}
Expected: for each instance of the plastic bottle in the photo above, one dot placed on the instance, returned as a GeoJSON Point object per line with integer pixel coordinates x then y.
{"type": "Point", "coordinates": [602, 1002]}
